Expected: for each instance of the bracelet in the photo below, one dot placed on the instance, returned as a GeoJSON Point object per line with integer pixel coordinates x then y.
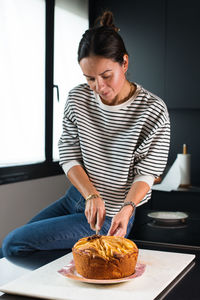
{"type": "Point", "coordinates": [92, 196]}
{"type": "Point", "coordinates": [128, 203]}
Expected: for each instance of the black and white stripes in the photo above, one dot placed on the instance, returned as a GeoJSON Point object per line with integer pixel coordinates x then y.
{"type": "Point", "coordinates": [115, 143]}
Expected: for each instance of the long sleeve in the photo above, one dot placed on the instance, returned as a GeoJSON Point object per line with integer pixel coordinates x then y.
{"type": "Point", "coordinates": [153, 152]}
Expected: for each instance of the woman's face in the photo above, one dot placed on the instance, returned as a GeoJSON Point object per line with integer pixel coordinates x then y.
{"type": "Point", "coordinates": [105, 77]}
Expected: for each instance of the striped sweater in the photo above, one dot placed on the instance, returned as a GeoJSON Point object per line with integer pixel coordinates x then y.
{"type": "Point", "coordinates": [116, 143]}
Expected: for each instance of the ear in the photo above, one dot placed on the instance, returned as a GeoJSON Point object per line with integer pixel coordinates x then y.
{"type": "Point", "coordinates": [125, 62]}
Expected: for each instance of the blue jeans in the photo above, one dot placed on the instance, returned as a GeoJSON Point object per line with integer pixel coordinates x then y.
{"type": "Point", "coordinates": [59, 226]}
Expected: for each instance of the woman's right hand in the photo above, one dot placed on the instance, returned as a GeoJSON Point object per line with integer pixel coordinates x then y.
{"type": "Point", "coordinates": [94, 208]}
{"type": "Point", "coordinates": [95, 213]}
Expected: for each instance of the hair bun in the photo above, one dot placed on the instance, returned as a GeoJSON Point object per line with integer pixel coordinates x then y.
{"type": "Point", "coordinates": [107, 20]}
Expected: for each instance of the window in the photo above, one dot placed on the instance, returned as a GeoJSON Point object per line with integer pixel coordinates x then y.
{"type": "Point", "coordinates": [71, 20]}
{"type": "Point", "coordinates": [30, 114]}
{"type": "Point", "coordinates": [22, 60]}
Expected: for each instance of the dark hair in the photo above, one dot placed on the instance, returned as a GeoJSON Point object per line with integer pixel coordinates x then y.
{"type": "Point", "coordinates": [103, 40]}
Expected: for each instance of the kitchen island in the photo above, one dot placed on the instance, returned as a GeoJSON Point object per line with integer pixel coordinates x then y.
{"type": "Point", "coordinates": [185, 286]}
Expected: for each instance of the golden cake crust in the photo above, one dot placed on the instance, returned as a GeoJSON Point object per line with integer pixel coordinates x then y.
{"type": "Point", "coordinates": [105, 257]}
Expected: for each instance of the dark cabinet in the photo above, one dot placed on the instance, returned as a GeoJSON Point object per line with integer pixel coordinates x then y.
{"type": "Point", "coordinates": [182, 54]}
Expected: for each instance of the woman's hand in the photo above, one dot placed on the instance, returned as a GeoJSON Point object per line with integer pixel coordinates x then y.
{"type": "Point", "coordinates": [120, 221]}
{"type": "Point", "coordinates": [95, 213]}
{"type": "Point", "coordinates": [94, 208]}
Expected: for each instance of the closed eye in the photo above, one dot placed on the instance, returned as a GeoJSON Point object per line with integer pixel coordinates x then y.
{"type": "Point", "coordinates": [90, 79]}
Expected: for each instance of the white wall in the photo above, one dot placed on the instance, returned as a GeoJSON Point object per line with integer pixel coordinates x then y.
{"type": "Point", "coordinates": [19, 202]}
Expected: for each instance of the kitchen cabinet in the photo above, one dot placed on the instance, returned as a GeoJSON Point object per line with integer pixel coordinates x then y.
{"type": "Point", "coordinates": [181, 235]}
{"type": "Point", "coordinates": [180, 200]}
{"type": "Point", "coordinates": [182, 61]}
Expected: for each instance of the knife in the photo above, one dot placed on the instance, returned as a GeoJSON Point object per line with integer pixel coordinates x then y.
{"type": "Point", "coordinates": [97, 231]}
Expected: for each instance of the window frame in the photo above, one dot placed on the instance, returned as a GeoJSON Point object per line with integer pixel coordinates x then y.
{"type": "Point", "coordinates": [47, 168]}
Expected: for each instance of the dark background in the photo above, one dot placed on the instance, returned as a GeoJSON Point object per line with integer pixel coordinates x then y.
{"type": "Point", "coordinates": [163, 41]}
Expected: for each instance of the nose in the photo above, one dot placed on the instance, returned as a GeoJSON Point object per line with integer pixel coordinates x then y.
{"type": "Point", "coordinates": [99, 85]}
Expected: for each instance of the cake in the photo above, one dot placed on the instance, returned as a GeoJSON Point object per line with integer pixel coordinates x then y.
{"type": "Point", "coordinates": [105, 257]}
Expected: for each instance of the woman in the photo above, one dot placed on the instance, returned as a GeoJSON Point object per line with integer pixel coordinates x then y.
{"type": "Point", "coordinates": [114, 144]}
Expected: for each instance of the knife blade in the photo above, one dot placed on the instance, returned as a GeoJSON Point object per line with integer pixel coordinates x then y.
{"type": "Point", "coordinates": [97, 231]}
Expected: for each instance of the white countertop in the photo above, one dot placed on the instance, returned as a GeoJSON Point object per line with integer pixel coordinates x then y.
{"type": "Point", "coordinates": [162, 268]}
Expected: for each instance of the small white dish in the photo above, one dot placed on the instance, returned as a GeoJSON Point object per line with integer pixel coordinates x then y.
{"type": "Point", "coordinates": [168, 216]}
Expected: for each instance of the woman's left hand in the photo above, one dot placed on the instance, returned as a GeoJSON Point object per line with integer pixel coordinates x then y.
{"type": "Point", "coordinates": [120, 221]}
